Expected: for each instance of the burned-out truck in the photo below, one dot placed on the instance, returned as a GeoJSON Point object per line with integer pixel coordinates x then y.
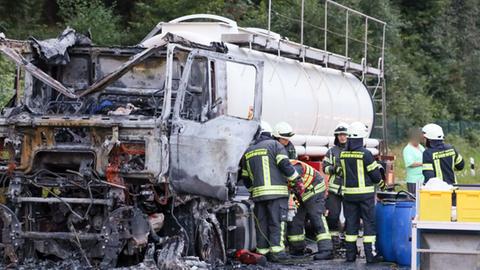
{"type": "Point", "coordinates": [102, 153]}
{"type": "Point", "coordinates": [112, 154]}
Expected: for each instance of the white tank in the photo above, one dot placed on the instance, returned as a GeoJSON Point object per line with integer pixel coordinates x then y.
{"type": "Point", "coordinates": [311, 98]}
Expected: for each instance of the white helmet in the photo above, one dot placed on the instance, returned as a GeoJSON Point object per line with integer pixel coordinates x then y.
{"type": "Point", "coordinates": [283, 130]}
{"type": "Point", "coordinates": [357, 130]}
{"type": "Point", "coordinates": [433, 132]}
{"type": "Point", "coordinates": [341, 128]}
{"type": "Point", "coordinates": [265, 127]}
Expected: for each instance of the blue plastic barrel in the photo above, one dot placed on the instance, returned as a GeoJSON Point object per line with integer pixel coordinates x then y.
{"type": "Point", "coordinates": [384, 213]}
{"type": "Point", "coordinates": [402, 231]}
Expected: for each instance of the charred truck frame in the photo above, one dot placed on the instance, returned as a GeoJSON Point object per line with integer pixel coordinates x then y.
{"type": "Point", "coordinates": [121, 150]}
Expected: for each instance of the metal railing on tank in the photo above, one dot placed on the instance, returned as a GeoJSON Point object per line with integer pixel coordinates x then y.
{"type": "Point", "coordinates": [355, 59]}
{"type": "Point", "coordinates": [352, 41]}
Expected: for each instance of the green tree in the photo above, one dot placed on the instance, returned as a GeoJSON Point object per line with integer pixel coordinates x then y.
{"type": "Point", "coordinates": [7, 70]}
{"type": "Point", "coordinates": [94, 17]}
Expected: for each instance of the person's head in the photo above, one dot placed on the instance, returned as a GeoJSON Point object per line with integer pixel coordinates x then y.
{"type": "Point", "coordinates": [341, 134]}
{"type": "Point", "coordinates": [283, 132]}
{"type": "Point", "coordinates": [415, 136]}
{"type": "Point", "coordinates": [433, 132]}
{"type": "Point", "coordinates": [357, 130]}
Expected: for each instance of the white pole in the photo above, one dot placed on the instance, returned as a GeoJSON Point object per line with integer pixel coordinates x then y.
{"type": "Point", "coordinates": [301, 26]}
{"type": "Point", "coordinates": [269, 15]}
{"type": "Point", "coordinates": [325, 27]}
{"type": "Point", "coordinates": [472, 166]}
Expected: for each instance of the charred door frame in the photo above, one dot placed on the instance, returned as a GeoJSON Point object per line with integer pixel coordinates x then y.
{"type": "Point", "coordinates": [205, 154]}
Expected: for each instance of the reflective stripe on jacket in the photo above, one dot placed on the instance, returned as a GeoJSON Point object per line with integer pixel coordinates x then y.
{"type": "Point", "coordinates": [331, 159]}
{"type": "Point", "coordinates": [360, 170]}
{"type": "Point", "coordinates": [441, 160]}
{"type": "Point", "coordinates": [266, 169]}
{"type": "Point", "coordinates": [312, 179]}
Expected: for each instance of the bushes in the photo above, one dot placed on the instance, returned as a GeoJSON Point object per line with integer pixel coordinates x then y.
{"type": "Point", "coordinates": [93, 17]}
{"type": "Point", "coordinates": [7, 78]}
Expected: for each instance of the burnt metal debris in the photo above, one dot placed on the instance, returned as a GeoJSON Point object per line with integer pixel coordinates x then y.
{"type": "Point", "coordinates": [122, 156]}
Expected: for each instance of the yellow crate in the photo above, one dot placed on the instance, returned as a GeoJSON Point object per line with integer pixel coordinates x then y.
{"type": "Point", "coordinates": [435, 205]}
{"type": "Point", "coordinates": [468, 205]}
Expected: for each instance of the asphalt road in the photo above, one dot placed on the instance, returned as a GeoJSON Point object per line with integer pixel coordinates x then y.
{"type": "Point", "coordinates": [337, 264]}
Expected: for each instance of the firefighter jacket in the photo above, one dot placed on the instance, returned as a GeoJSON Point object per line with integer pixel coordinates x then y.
{"type": "Point", "coordinates": [360, 170]}
{"type": "Point", "coordinates": [266, 169]}
{"type": "Point", "coordinates": [440, 160]}
{"type": "Point", "coordinates": [331, 160]}
{"type": "Point", "coordinates": [312, 180]}
{"type": "Point", "coordinates": [292, 153]}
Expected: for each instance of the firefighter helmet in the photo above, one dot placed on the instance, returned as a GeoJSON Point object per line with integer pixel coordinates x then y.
{"type": "Point", "coordinates": [283, 130]}
{"type": "Point", "coordinates": [433, 132]}
{"type": "Point", "coordinates": [341, 128]}
{"type": "Point", "coordinates": [265, 127]}
{"type": "Point", "coordinates": [357, 130]}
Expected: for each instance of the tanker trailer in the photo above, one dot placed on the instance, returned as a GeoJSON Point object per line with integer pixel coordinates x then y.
{"type": "Point", "coordinates": [311, 97]}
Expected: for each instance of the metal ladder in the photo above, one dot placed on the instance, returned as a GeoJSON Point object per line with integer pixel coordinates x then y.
{"type": "Point", "coordinates": [377, 89]}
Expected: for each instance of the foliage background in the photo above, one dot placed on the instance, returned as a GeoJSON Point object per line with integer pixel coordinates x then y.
{"type": "Point", "coordinates": [432, 56]}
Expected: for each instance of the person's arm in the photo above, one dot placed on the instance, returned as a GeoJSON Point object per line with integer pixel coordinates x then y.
{"type": "Point", "coordinates": [244, 174]}
{"type": "Point", "coordinates": [409, 159]}
{"type": "Point", "coordinates": [427, 170]}
{"type": "Point", "coordinates": [328, 162]}
{"type": "Point", "coordinates": [459, 162]}
{"type": "Point", "coordinates": [283, 163]}
{"type": "Point", "coordinates": [372, 167]}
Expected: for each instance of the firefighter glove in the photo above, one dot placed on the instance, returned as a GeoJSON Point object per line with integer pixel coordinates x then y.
{"type": "Point", "coordinates": [382, 185]}
{"type": "Point", "coordinates": [299, 188]}
{"type": "Point", "coordinates": [338, 171]}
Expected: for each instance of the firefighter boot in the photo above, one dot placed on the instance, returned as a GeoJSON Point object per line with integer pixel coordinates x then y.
{"type": "Point", "coordinates": [325, 250]}
{"type": "Point", "coordinates": [351, 250]}
{"type": "Point", "coordinates": [278, 257]}
{"type": "Point", "coordinates": [370, 255]}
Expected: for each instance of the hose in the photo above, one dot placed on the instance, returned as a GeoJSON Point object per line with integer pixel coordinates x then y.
{"type": "Point", "coordinates": [407, 193]}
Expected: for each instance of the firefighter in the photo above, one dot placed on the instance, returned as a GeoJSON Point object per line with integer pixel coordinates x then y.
{"type": "Point", "coordinates": [360, 174]}
{"type": "Point", "coordinates": [331, 167]}
{"type": "Point", "coordinates": [311, 205]}
{"type": "Point", "coordinates": [439, 159]}
{"type": "Point", "coordinates": [283, 132]}
{"type": "Point", "coordinates": [267, 173]}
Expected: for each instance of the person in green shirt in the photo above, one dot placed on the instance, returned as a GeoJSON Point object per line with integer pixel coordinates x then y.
{"type": "Point", "coordinates": [412, 156]}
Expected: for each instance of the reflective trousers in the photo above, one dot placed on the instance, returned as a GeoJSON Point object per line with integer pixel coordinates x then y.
{"type": "Point", "coordinates": [354, 210]}
{"type": "Point", "coordinates": [334, 207]}
{"type": "Point", "coordinates": [312, 209]}
{"type": "Point", "coordinates": [271, 219]}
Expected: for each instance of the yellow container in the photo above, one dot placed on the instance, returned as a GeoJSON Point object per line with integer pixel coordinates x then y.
{"type": "Point", "coordinates": [435, 205]}
{"type": "Point", "coordinates": [468, 205]}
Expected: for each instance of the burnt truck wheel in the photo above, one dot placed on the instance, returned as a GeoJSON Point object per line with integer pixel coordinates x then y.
{"type": "Point", "coordinates": [209, 243]}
